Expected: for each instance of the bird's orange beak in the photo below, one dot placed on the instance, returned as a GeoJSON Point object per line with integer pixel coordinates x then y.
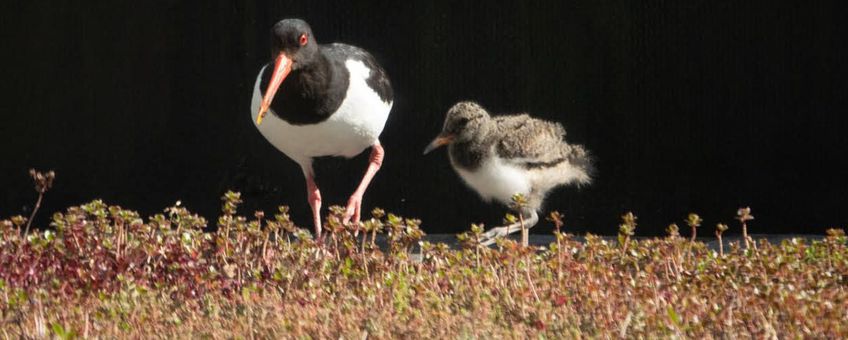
{"type": "Point", "coordinates": [439, 141]}
{"type": "Point", "coordinates": [282, 67]}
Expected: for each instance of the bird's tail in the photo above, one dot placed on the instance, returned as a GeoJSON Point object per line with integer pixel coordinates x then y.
{"type": "Point", "coordinates": [581, 164]}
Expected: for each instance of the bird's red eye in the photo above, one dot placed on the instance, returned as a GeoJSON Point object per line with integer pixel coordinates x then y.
{"type": "Point", "coordinates": [303, 40]}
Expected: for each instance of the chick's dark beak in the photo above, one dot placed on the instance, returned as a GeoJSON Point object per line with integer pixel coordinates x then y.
{"type": "Point", "coordinates": [439, 141]}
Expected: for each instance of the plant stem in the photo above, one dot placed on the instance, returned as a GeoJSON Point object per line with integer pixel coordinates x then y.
{"type": "Point", "coordinates": [477, 248]}
{"type": "Point", "coordinates": [34, 210]}
{"type": "Point", "coordinates": [530, 281]}
{"type": "Point", "coordinates": [265, 246]}
{"type": "Point", "coordinates": [557, 236]}
{"type": "Point", "coordinates": [691, 242]}
{"type": "Point", "coordinates": [525, 234]}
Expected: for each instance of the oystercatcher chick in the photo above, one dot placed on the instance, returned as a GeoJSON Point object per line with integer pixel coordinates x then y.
{"type": "Point", "coordinates": [502, 156]}
{"type": "Point", "coordinates": [323, 100]}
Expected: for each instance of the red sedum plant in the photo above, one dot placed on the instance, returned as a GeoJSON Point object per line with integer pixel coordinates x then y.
{"type": "Point", "coordinates": [103, 271]}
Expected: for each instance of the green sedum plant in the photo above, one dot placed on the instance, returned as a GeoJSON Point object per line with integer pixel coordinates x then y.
{"type": "Point", "coordinates": [101, 270]}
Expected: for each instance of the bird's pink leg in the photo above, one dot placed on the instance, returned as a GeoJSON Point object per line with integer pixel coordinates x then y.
{"type": "Point", "coordinates": [354, 204]}
{"type": "Point", "coordinates": [314, 198]}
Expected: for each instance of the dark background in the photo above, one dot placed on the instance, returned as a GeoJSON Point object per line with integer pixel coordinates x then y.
{"type": "Point", "coordinates": [696, 105]}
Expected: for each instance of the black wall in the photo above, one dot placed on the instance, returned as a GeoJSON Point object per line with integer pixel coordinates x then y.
{"type": "Point", "coordinates": [696, 105]}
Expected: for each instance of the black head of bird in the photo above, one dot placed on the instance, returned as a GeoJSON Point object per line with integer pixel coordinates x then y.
{"type": "Point", "coordinates": [293, 47]}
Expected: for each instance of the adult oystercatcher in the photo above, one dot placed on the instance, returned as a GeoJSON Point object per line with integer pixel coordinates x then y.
{"type": "Point", "coordinates": [506, 155]}
{"type": "Point", "coordinates": [324, 100]}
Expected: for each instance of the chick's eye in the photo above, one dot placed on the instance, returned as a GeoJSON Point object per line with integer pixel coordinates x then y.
{"type": "Point", "coordinates": [462, 121]}
{"type": "Point", "coordinates": [303, 40]}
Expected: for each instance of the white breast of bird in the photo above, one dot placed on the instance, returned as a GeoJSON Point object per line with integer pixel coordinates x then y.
{"type": "Point", "coordinates": [355, 125]}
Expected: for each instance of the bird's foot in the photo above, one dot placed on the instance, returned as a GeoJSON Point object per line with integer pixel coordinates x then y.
{"type": "Point", "coordinates": [313, 196]}
{"type": "Point", "coordinates": [490, 237]}
{"type": "Point", "coordinates": [353, 211]}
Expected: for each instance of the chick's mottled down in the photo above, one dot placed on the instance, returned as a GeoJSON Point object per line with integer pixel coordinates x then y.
{"type": "Point", "coordinates": [515, 154]}
{"type": "Point", "coordinates": [502, 156]}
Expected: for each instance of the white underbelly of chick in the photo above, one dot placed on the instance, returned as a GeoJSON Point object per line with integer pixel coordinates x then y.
{"type": "Point", "coordinates": [497, 180]}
